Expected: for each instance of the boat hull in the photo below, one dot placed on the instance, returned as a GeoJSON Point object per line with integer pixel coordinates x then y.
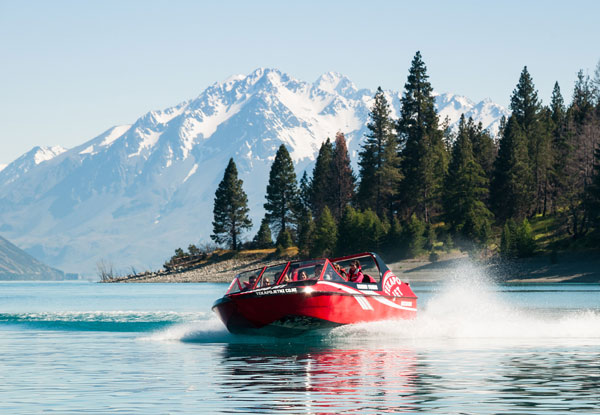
{"type": "Point", "coordinates": [292, 309]}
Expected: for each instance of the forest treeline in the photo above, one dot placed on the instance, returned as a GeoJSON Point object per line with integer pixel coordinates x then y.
{"type": "Point", "coordinates": [422, 187]}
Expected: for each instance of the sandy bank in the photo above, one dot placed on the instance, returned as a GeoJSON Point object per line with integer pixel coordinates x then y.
{"type": "Point", "coordinates": [569, 267]}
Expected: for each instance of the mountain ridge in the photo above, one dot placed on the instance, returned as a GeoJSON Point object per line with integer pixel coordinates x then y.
{"type": "Point", "coordinates": [16, 264]}
{"type": "Point", "coordinates": [135, 192]}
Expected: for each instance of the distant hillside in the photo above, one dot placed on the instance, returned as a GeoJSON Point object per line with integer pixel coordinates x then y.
{"type": "Point", "coordinates": [16, 264]}
{"type": "Point", "coordinates": [135, 192]}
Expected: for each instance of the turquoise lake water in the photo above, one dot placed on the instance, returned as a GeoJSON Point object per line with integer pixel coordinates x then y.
{"type": "Point", "coordinates": [475, 347]}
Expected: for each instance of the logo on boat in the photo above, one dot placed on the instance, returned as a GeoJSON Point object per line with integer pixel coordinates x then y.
{"type": "Point", "coordinates": [271, 291]}
{"type": "Point", "coordinates": [391, 285]}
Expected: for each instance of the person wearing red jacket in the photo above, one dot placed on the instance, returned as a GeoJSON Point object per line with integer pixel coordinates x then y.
{"type": "Point", "coordinates": [355, 273]}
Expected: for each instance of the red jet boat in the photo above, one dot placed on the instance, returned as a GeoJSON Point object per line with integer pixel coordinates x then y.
{"type": "Point", "coordinates": [290, 298]}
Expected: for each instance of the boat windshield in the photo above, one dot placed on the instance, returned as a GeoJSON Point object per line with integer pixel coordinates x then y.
{"type": "Point", "coordinates": [271, 275]}
{"type": "Point", "coordinates": [331, 274]}
{"type": "Point", "coordinates": [304, 270]}
{"type": "Point", "coordinates": [368, 265]}
{"type": "Point", "coordinates": [244, 281]}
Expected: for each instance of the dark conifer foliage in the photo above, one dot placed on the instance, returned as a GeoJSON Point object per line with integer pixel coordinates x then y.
{"type": "Point", "coordinates": [527, 111]}
{"type": "Point", "coordinates": [325, 235]}
{"type": "Point", "coordinates": [304, 195]}
{"type": "Point", "coordinates": [524, 103]}
{"type": "Point", "coordinates": [342, 178]}
{"type": "Point", "coordinates": [230, 209]}
{"type": "Point", "coordinates": [560, 148]}
{"type": "Point", "coordinates": [424, 158]}
{"type": "Point", "coordinates": [583, 137]}
{"type": "Point", "coordinates": [593, 194]}
{"type": "Point", "coordinates": [263, 238]}
{"type": "Point", "coordinates": [378, 160]}
{"type": "Point", "coordinates": [306, 233]}
{"type": "Point", "coordinates": [320, 186]}
{"type": "Point", "coordinates": [466, 187]}
{"type": "Point", "coordinates": [282, 193]}
{"type": "Point", "coordinates": [484, 147]}
{"type": "Point", "coordinates": [512, 183]}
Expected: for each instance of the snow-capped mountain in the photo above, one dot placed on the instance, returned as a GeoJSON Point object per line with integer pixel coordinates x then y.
{"type": "Point", "coordinates": [27, 161]}
{"type": "Point", "coordinates": [136, 192]}
{"type": "Point", "coordinates": [486, 112]}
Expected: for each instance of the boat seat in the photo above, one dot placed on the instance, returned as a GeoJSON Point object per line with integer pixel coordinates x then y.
{"type": "Point", "coordinates": [368, 279]}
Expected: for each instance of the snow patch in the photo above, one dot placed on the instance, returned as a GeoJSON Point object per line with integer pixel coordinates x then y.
{"type": "Point", "coordinates": [47, 153]}
{"type": "Point", "coordinates": [114, 134]}
{"type": "Point", "coordinates": [192, 171]}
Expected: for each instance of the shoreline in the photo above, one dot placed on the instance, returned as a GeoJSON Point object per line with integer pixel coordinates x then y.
{"type": "Point", "coordinates": [570, 267]}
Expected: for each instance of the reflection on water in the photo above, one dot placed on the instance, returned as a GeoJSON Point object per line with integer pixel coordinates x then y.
{"type": "Point", "coordinates": [307, 379]}
{"type": "Point", "coordinates": [310, 379]}
{"type": "Point", "coordinates": [475, 348]}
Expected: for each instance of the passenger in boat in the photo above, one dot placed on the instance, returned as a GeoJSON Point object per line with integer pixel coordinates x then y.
{"type": "Point", "coordinates": [249, 284]}
{"type": "Point", "coordinates": [355, 274]}
{"type": "Point", "coordinates": [318, 269]}
{"type": "Point", "coordinates": [340, 270]}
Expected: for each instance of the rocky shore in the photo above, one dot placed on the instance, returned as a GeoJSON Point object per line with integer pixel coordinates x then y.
{"type": "Point", "coordinates": [582, 267]}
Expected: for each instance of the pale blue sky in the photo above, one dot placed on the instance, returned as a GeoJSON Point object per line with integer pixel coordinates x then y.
{"type": "Point", "coordinates": [71, 69]}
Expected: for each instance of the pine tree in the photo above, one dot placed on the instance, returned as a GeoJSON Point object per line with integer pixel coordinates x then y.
{"type": "Point", "coordinates": [372, 230]}
{"type": "Point", "coordinates": [583, 136]}
{"type": "Point", "coordinates": [379, 162]}
{"type": "Point", "coordinates": [526, 109]}
{"type": "Point", "coordinates": [512, 184]}
{"type": "Point", "coordinates": [342, 179]}
{"type": "Point", "coordinates": [306, 230]}
{"type": "Point", "coordinates": [466, 187]}
{"type": "Point", "coordinates": [230, 209]}
{"type": "Point", "coordinates": [560, 148]}
{"type": "Point", "coordinates": [593, 194]}
{"type": "Point", "coordinates": [325, 235]}
{"type": "Point", "coordinates": [282, 193]}
{"type": "Point", "coordinates": [484, 147]}
{"type": "Point", "coordinates": [507, 240]}
{"type": "Point", "coordinates": [414, 236]}
{"type": "Point", "coordinates": [525, 242]}
{"type": "Point", "coordinates": [263, 238]}
{"type": "Point", "coordinates": [348, 232]}
{"type": "Point", "coordinates": [424, 159]}
{"type": "Point", "coordinates": [320, 186]}
{"type": "Point", "coordinates": [304, 195]}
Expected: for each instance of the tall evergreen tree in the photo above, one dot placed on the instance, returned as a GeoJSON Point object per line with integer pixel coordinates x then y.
{"type": "Point", "coordinates": [424, 159]}
{"type": "Point", "coordinates": [484, 147]}
{"type": "Point", "coordinates": [304, 195]}
{"type": "Point", "coordinates": [263, 238]}
{"type": "Point", "coordinates": [348, 231]}
{"type": "Point", "coordinates": [230, 209]}
{"type": "Point", "coordinates": [282, 193]}
{"type": "Point", "coordinates": [593, 194]}
{"type": "Point", "coordinates": [526, 109]}
{"type": "Point", "coordinates": [342, 179]}
{"type": "Point", "coordinates": [379, 163]}
{"type": "Point", "coordinates": [306, 231]}
{"type": "Point", "coordinates": [325, 235]}
{"type": "Point", "coordinates": [466, 187]}
{"type": "Point", "coordinates": [320, 186]}
{"type": "Point", "coordinates": [512, 182]}
{"type": "Point", "coordinates": [583, 136]}
{"type": "Point", "coordinates": [560, 147]}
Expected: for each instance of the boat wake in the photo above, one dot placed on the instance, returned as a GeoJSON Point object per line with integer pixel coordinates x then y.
{"type": "Point", "coordinates": [471, 308]}
{"type": "Point", "coordinates": [467, 309]}
{"type": "Point", "coordinates": [117, 321]}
